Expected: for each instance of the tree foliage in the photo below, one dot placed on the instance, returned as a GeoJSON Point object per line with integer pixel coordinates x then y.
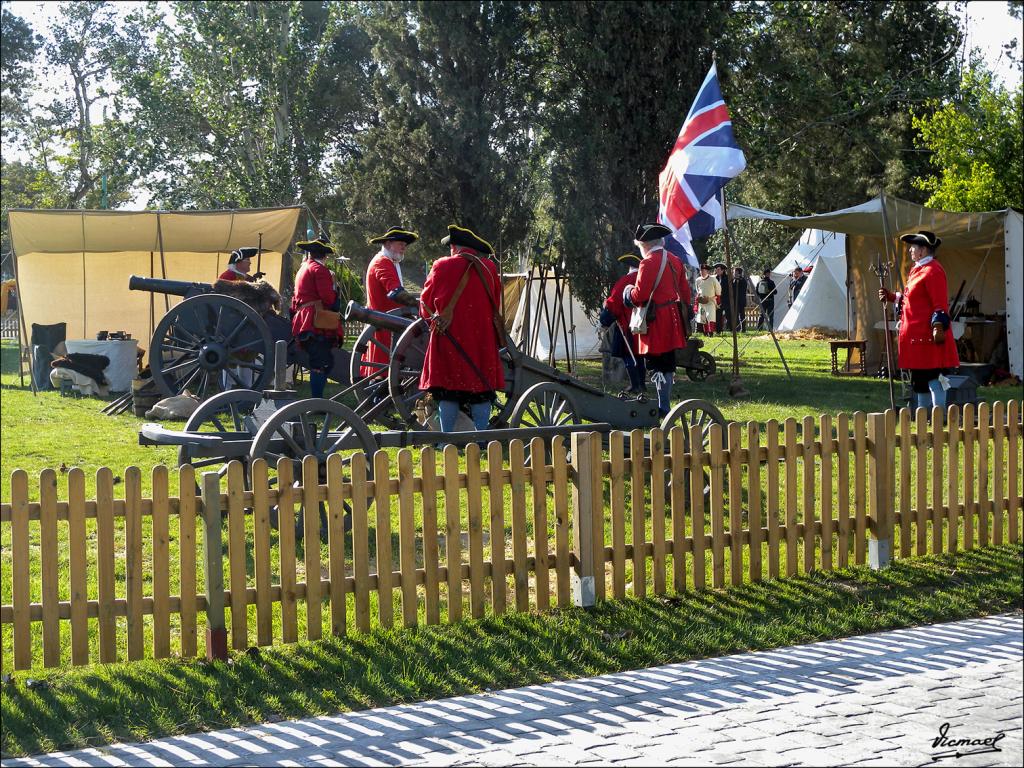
{"type": "Point", "coordinates": [449, 140]}
{"type": "Point", "coordinates": [975, 144]}
{"type": "Point", "coordinates": [240, 104]}
{"type": "Point", "coordinates": [613, 99]}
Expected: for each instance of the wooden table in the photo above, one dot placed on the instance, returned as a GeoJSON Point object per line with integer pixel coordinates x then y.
{"type": "Point", "coordinates": [849, 345]}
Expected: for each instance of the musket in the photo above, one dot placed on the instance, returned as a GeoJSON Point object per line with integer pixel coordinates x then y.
{"type": "Point", "coordinates": [259, 254]}
{"type": "Point", "coordinates": [882, 270]}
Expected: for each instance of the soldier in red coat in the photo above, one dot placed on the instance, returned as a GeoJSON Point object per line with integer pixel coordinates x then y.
{"type": "Point", "coordinates": [385, 291]}
{"type": "Point", "coordinates": [315, 289]}
{"type": "Point", "coordinates": [925, 343]}
{"type": "Point", "coordinates": [664, 291]}
{"type": "Point", "coordinates": [462, 367]}
{"type": "Point", "coordinates": [239, 264]}
{"type": "Point", "coordinates": [615, 315]}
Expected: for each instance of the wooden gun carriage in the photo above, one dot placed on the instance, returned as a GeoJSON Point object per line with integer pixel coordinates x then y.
{"type": "Point", "coordinates": [537, 401]}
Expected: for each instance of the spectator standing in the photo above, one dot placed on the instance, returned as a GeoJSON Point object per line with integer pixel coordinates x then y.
{"type": "Point", "coordinates": [797, 280]}
{"type": "Point", "coordinates": [722, 315]}
{"type": "Point", "coordinates": [739, 292]}
{"type": "Point", "coordinates": [766, 301]}
{"type": "Point", "coordinates": [708, 293]}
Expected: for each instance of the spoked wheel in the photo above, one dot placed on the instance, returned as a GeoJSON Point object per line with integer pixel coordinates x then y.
{"type": "Point", "coordinates": [687, 414]}
{"type": "Point", "coordinates": [704, 366]}
{"type": "Point", "coordinates": [407, 365]}
{"type": "Point", "coordinates": [229, 414]}
{"type": "Point", "coordinates": [208, 344]}
{"type": "Point", "coordinates": [315, 427]}
{"type": "Point", "coordinates": [545, 404]}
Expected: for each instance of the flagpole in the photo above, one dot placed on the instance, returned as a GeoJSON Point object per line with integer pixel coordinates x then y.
{"type": "Point", "coordinates": [731, 309]}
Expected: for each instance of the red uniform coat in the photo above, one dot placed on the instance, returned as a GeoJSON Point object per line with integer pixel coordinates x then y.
{"type": "Point", "coordinates": [381, 279]}
{"type": "Point", "coordinates": [230, 274]}
{"type": "Point", "coordinates": [618, 308]}
{"type": "Point", "coordinates": [925, 293]}
{"type": "Point", "coordinates": [472, 328]}
{"type": "Point", "coordinates": [666, 333]}
{"type": "Point", "coordinates": [313, 281]}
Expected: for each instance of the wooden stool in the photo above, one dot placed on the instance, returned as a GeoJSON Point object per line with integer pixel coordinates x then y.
{"type": "Point", "coordinates": [849, 345]}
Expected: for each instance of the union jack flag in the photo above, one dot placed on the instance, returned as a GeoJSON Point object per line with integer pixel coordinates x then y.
{"type": "Point", "coordinates": [705, 157]}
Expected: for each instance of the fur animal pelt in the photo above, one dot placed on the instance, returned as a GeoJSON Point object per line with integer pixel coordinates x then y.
{"type": "Point", "coordinates": [260, 295]}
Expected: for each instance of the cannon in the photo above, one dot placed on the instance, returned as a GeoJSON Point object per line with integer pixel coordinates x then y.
{"type": "Point", "coordinates": [211, 342]}
{"type": "Point", "coordinates": [537, 401]}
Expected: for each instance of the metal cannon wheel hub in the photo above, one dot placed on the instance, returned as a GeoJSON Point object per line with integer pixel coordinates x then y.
{"type": "Point", "coordinates": [212, 356]}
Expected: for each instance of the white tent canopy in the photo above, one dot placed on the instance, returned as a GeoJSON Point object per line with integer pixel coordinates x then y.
{"type": "Point", "coordinates": [536, 321]}
{"type": "Point", "coordinates": [822, 300]}
{"type": "Point", "coordinates": [984, 251]}
{"type": "Point", "coordinates": [73, 266]}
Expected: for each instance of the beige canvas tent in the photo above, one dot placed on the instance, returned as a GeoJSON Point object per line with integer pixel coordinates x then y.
{"type": "Point", "coordinates": [983, 250]}
{"type": "Point", "coordinates": [73, 266]}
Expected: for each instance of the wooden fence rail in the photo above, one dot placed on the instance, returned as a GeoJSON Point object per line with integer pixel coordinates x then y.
{"type": "Point", "coordinates": [511, 528]}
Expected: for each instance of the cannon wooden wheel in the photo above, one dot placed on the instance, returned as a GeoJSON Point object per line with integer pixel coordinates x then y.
{"type": "Point", "coordinates": [224, 413]}
{"type": "Point", "coordinates": [704, 366]}
{"type": "Point", "coordinates": [699, 413]}
{"type": "Point", "coordinates": [314, 427]}
{"type": "Point", "coordinates": [407, 365]}
{"type": "Point", "coordinates": [208, 344]}
{"type": "Point", "coordinates": [545, 404]}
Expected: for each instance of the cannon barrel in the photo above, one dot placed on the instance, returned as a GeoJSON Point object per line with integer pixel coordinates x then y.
{"type": "Point", "coordinates": [382, 320]}
{"type": "Point", "coordinates": [172, 287]}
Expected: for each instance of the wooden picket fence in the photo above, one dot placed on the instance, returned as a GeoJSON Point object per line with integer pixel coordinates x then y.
{"type": "Point", "coordinates": [516, 527]}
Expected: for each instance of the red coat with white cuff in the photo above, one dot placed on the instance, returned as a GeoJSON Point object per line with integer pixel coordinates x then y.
{"type": "Point", "coordinates": [926, 293]}
{"type": "Point", "coordinates": [381, 279]}
{"type": "Point", "coordinates": [666, 333]}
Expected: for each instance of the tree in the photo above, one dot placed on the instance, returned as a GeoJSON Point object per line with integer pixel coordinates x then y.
{"type": "Point", "coordinates": [975, 145]}
{"type": "Point", "coordinates": [449, 139]}
{"type": "Point", "coordinates": [17, 51]}
{"type": "Point", "coordinates": [242, 104]}
{"type": "Point", "coordinates": [613, 98]}
{"type": "Point", "coordinates": [822, 97]}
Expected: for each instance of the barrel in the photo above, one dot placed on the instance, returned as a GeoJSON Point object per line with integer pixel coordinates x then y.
{"type": "Point", "coordinates": [382, 320]}
{"type": "Point", "coordinates": [144, 396]}
{"type": "Point", "coordinates": [171, 287]}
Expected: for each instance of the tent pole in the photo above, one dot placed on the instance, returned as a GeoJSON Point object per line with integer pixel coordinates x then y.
{"type": "Point", "coordinates": [882, 271]}
{"type": "Point", "coordinates": [23, 329]}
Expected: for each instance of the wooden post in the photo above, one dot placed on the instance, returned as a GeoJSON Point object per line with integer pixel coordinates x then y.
{"type": "Point", "coordinates": [216, 630]}
{"type": "Point", "coordinates": [583, 503]}
{"type": "Point", "coordinates": [880, 496]}
{"type": "Point", "coordinates": [280, 363]}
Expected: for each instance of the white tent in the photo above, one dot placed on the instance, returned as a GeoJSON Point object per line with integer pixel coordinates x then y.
{"type": "Point", "coordinates": [822, 300]}
{"type": "Point", "coordinates": [537, 320]}
{"type": "Point", "coordinates": [982, 250]}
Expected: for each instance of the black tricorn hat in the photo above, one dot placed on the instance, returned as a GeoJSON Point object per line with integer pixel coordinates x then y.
{"type": "Point", "coordinates": [629, 258]}
{"type": "Point", "coordinates": [653, 231]}
{"type": "Point", "coordinates": [924, 237]}
{"type": "Point", "coordinates": [319, 245]}
{"type": "Point", "coordinates": [467, 239]}
{"type": "Point", "coordinates": [395, 233]}
{"type": "Point", "coordinates": [240, 254]}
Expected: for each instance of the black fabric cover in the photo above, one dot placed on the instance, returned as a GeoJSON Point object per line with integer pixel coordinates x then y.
{"type": "Point", "coordinates": [85, 364]}
{"type": "Point", "coordinates": [49, 336]}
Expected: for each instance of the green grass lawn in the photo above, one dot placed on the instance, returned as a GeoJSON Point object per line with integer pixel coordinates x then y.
{"type": "Point", "coordinates": [47, 430]}
{"type": "Point", "coordinates": [144, 700]}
